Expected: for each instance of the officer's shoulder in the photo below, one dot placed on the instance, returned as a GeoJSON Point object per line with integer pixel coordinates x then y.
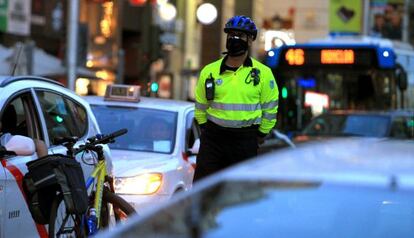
{"type": "Point", "coordinates": [213, 65]}
{"type": "Point", "coordinates": [260, 65]}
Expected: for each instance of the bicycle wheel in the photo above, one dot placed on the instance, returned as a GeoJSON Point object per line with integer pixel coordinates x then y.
{"type": "Point", "coordinates": [121, 209]}
{"type": "Point", "coordinates": [62, 224]}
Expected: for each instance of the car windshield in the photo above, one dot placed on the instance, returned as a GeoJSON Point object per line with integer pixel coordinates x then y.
{"type": "Point", "coordinates": [285, 209]}
{"type": "Point", "coordinates": [354, 125]}
{"type": "Point", "coordinates": [148, 129]}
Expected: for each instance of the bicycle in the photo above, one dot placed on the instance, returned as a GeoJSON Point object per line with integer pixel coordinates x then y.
{"type": "Point", "coordinates": [100, 189]}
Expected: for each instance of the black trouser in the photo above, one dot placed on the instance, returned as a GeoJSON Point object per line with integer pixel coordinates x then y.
{"type": "Point", "coordinates": [222, 147]}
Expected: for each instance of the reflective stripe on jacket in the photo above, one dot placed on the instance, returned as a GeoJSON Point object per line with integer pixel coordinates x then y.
{"type": "Point", "coordinates": [236, 103]}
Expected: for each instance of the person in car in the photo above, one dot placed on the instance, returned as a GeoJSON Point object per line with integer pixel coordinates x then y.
{"type": "Point", "coordinates": [160, 133]}
{"type": "Point", "coordinates": [159, 130]}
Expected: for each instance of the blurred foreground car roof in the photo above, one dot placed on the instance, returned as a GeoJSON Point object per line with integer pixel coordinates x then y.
{"type": "Point", "coordinates": [351, 187]}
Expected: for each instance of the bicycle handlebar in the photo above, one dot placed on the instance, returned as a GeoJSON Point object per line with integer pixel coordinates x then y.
{"type": "Point", "coordinates": [105, 139]}
{"type": "Point", "coordinates": [100, 139]}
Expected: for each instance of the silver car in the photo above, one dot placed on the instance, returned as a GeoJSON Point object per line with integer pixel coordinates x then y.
{"type": "Point", "coordinates": [353, 187]}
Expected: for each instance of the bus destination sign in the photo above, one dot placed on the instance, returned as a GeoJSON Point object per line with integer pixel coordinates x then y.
{"type": "Point", "coordinates": [337, 56]}
{"type": "Point", "coordinates": [328, 56]}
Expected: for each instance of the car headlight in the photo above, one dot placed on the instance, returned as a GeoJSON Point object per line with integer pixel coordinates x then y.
{"type": "Point", "coordinates": [139, 185]}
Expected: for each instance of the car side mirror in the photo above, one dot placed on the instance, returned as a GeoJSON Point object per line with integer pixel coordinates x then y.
{"type": "Point", "coordinates": [20, 145]}
{"type": "Point", "coordinates": [195, 148]}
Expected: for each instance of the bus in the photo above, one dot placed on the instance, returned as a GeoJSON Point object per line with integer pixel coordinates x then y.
{"type": "Point", "coordinates": [341, 73]}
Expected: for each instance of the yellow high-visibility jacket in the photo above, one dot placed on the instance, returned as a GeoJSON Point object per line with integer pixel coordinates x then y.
{"type": "Point", "coordinates": [237, 102]}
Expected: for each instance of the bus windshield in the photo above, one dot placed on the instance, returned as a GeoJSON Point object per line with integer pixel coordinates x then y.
{"type": "Point", "coordinates": [346, 89]}
{"type": "Point", "coordinates": [364, 89]}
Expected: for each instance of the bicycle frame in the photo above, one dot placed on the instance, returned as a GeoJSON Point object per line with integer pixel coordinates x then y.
{"type": "Point", "coordinates": [98, 174]}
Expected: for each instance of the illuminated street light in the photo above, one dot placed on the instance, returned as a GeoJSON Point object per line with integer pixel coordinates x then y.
{"type": "Point", "coordinates": [167, 11]}
{"type": "Point", "coordinates": [206, 13]}
{"type": "Point", "coordinates": [162, 2]}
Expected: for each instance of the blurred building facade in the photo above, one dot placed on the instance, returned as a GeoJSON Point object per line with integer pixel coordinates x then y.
{"type": "Point", "coordinates": [40, 24]}
{"type": "Point", "coordinates": [130, 41]}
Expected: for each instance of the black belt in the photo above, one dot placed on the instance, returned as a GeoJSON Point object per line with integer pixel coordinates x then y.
{"type": "Point", "coordinates": [212, 127]}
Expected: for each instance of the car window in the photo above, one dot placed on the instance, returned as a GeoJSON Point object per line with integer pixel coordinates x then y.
{"type": "Point", "coordinates": [79, 115]}
{"type": "Point", "coordinates": [14, 118]}
{"type": "Point", "coordinates": [354, 125]}
{"type": "Point", "coordinates": [367, 125]}
{"type": "Point", "coordinates": [325, 125]}
{"type": "Point", "coordinates": [60, 118]}
{"type": "Point", "coordinates": [403, 128]}
{"type": "Point", "coordinates": [189, 119]}
{"type": "Point", "coordinates": [149, 130]}
{"type": "Point", "coordinates": [20, 117]}
{"type": "Point", "coordinates": [192, 130]}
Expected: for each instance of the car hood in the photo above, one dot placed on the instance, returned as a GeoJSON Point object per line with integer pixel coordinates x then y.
{"type": "Point", "coordinates": [130, 163]}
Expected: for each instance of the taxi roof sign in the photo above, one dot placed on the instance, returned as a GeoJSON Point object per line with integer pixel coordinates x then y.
{"type": "Point", "coordinates": [123, 93]}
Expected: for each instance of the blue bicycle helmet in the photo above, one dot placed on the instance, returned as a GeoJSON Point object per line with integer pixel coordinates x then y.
{"type": "Point", "coordinates": [241, 23]}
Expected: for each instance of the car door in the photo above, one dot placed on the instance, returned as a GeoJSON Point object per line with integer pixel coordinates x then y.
{"type": "Point", "coordinates": [19, 117]}
{"type": "Point", "coordinates": [64, 117]}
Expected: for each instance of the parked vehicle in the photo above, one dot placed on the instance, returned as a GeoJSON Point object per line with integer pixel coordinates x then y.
{"type": "Point", "coordinates": [43, 110]}
{"type": "Point", "coordinates": [393, 124]}
{"type": "Point", "coordinates": [341, 72]}
{"type": "Point", "coordinates": [154, 160]}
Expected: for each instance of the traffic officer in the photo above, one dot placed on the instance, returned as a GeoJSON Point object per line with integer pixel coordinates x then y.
{"type": "Point", "coordinates": [236, 102]}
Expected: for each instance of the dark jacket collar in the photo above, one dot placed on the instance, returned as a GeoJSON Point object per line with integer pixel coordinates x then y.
{"type": "Point", "coordinates": [247, 63]}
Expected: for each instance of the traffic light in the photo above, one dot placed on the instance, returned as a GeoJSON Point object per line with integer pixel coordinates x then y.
{"type": "Point", "coordinates": [284, 93]}
{"type": "Point", "coordinates": [58, 119]}
{"type": "Point", "coordinates": [154, 87]}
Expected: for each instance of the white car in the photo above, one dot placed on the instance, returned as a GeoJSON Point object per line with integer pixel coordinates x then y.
{"type": "Point", "coordinates": [153, 160]}
{"type": "Point", "coordinates": [43, 110]}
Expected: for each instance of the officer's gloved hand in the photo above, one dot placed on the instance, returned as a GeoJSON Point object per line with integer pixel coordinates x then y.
{"type": "Point", "coordinates": [260, 140]}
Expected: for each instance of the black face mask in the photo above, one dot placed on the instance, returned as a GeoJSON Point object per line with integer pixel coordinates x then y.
{"type": "Point", "coordinates": [236, 46]}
